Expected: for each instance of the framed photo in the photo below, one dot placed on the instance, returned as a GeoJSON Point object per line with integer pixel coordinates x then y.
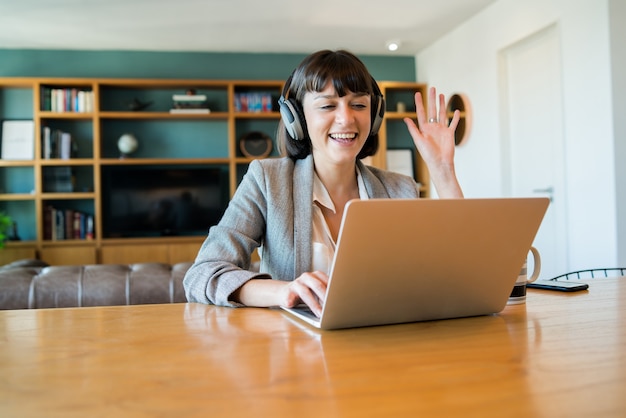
{"type": "Point", "coordinates": [401, 161]}
{"type": "Point", "coordinates": [18, 140]}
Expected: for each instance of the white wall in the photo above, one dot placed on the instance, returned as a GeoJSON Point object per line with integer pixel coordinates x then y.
{"type": "Point", "coordinates": [466, 61]}
{"type": "Point", "coordinates": [617, 13]}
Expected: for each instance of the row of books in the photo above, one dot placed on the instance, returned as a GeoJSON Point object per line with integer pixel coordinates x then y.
{"type": "Point", "coordinates": [56, 143]}
{"type": "Point", "coordinates": [66, 100]}
{"type": "Point", "coordinates": [189, 103]}
{"type": "Point", "coordinates": [62, 224]}
{"type": "Point", "coordinates": [253, 102]}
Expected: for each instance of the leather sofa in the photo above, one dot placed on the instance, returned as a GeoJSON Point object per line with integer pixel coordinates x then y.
{"type": "Point", "coordinates": [32, 284]}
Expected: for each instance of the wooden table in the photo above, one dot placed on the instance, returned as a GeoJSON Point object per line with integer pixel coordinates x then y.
{"type": "Point", "coordinates": [558, 355]}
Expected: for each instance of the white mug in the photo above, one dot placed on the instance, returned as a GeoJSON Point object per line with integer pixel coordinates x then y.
{"type": "Point", "coordinates": [518, 295]}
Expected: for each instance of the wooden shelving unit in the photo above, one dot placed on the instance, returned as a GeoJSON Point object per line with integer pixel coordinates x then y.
{"type": "Point", "coordinates": [166, 139]}
{"type": "Point", "coordinates": [400, 104]}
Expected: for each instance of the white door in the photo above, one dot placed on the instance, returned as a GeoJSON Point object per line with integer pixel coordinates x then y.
{"type": "Point", "coordinates": [533, 145]}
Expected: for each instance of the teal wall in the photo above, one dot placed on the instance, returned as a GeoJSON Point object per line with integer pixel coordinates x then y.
{"type": "Point", "coordinates": [147, 64]}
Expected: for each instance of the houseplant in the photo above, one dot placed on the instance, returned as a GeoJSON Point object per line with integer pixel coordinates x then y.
{"type": "Point", "coordinates": [6, 225]}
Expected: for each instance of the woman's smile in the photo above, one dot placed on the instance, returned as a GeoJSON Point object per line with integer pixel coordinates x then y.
{"type": "Point", "coordinates": [343, 137]}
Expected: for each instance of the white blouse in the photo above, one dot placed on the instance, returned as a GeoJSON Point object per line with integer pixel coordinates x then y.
{"type": "Point", "coordinates": [323, 243]}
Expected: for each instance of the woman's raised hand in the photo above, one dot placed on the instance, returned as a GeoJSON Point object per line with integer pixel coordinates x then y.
{"type": "Point", "coordinates": [434, 140]}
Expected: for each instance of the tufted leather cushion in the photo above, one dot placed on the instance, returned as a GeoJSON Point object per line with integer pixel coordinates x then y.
{"type": "Point", "coordinates": [91, 285]}
{"type": "Point", "coordinates": [27, 262]}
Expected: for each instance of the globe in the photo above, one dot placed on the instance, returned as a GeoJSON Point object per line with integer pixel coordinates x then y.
{"type": "Point", "coordinates": [127, 144]}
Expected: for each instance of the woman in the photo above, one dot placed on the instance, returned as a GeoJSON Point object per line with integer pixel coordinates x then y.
{"type": "Point", "coordinates": [291, 208]}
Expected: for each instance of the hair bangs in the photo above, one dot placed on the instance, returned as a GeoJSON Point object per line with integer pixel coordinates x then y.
{"type": "Point", "coordinates": [345, 74]}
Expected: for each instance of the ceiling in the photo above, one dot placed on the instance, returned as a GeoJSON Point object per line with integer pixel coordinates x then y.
{"type": "Point", "coordinates": [281, 26]}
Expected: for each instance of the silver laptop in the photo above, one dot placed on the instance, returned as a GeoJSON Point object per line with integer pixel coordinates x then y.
{"type": "Point", "coordinates": [408, 260]}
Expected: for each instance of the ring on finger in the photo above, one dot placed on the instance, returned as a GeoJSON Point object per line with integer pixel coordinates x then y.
{"type": "Point", "coordinates": [432, 120]}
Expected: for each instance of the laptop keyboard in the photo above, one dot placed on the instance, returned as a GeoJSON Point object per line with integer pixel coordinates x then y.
{"type": "Point", "coordinates": [304, 310]}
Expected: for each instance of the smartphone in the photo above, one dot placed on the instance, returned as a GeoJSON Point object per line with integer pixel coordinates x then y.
{"type": "Point", "coordinates": [556, 285]}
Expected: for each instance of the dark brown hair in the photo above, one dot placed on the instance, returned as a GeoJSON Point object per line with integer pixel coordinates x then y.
{"type": "Point", "coordinates": [347, 73]}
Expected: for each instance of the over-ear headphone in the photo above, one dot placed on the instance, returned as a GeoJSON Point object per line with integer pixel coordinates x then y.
{"type": "Point", "coordinates": [295, 123]}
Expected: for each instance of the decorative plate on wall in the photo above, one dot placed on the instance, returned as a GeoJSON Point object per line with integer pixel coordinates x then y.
{"type": "Point", "coordinates": [460, 102]}
{"type": "Point", "coordinates": [255, 145]}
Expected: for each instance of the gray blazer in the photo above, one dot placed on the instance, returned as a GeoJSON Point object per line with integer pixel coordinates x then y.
{"type": "Point", "coordinates": [272, 208]}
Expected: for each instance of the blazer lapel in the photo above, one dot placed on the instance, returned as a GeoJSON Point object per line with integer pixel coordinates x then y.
{"type": "Point", "coordinates": [303, 213]}
{"type": "Point", "coordinates": [373, 185]}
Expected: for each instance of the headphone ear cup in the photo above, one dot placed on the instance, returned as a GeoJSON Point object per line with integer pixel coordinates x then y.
{"type": "Point", "coordinates": [377, 117]}
{"type": "Point", "coordinates": [292, 118]}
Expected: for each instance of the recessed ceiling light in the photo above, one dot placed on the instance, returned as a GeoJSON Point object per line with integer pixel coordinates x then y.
{"type": "Point", "coordinates": [393, 45]}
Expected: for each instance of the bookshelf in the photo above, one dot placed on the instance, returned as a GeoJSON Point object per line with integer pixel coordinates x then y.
{"type": "Point", "coordinates": [393, 134]}
{"type": "Point", "coordinates": [96, 113]}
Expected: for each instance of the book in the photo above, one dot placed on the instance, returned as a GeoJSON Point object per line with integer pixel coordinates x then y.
{"type": "Point", "coordinates": [191, 110]}
{"type": "Point", "coordinates": [46, 141]}
{"type": "Point", "coordinates": [46, 98]}
{"type": "Point", "coordinates": [76, 227]}
{"type": "Point", "coordinates": [190, 101]}
{"type": "Point", "coordinates": [66, 146]}
{"type": "Point", "coordinates": [18, 140]}
{"type": "Point", "coordinates": [190, 105]}
{"type": "Point", "coordinates": [89, 227]}
{"type": "Point", "coordinates": [57, 144]}
{"type": "Point", "coordinates": [66, 99]}
{"type": "Point", "coordinates": [64, 224]}
{"type": "Point", "coordinates": [253, 102]}
{"type": "Point", "coordinates": [48, 215]}
{"type": "Point", "coordinates": [59, 225]}
{"type": "Point", "coordinates": [189, 97]}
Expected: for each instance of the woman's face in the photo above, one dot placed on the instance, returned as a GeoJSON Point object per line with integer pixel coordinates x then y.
{"type": "Point", "coordinates": [338, 126]}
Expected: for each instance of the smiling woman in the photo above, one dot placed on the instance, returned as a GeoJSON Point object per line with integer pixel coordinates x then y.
{"type": "Point", "coordinates": [291, 208]}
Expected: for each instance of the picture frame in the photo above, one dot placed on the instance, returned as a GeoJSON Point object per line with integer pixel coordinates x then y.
{"type": "Point", "coordinates": [18, 140]}
{"type": "Point", "coordinates": [401, 160]}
